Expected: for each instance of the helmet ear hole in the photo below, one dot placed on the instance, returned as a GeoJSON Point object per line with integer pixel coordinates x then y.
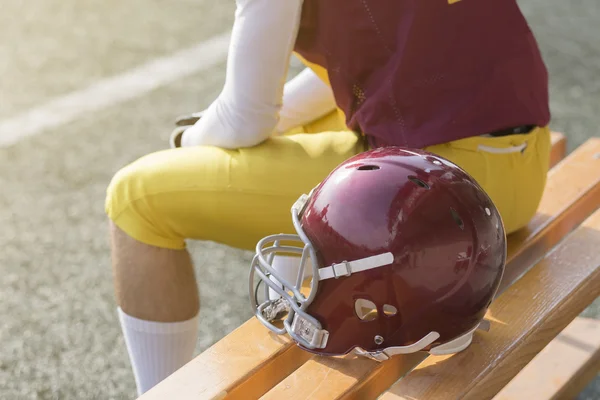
{"type": "Point", "coordinates": [365, 310]}
{"type": "Point", "coordinates": [389, 310]}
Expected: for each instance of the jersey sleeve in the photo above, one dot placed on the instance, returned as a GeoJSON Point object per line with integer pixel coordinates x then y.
{"type": "Point", "coordinates": [246, 112]}
{"type": "Point", "coordinates": [305, 98]}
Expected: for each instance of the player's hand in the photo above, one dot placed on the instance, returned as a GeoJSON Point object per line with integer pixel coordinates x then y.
{"type": "Point", "coordinates": [182, 124]}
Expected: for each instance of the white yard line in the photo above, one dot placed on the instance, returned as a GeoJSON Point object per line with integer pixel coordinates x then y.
{"type": "Point", "coordinates": [114, 90]}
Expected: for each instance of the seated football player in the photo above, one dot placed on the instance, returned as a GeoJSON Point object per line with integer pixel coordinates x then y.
{"type": "Point", "coordinates": [461, 79]}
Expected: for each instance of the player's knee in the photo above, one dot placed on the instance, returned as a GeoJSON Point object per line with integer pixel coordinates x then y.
{"type": "Point", "coordinates": [125, 187]}
{"type": "Point", "coordinates": [129, 193]}
{"type": "Point", "coordinates": [131, 203]}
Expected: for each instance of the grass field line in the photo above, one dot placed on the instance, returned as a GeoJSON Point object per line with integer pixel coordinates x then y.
{"type": "Point", "coordinates": [116, 89]}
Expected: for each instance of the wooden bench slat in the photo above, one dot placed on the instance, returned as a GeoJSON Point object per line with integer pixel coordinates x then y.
{"type": "Point", "coordinates": [559, 148]}
{"type": "Point", "coordinates": [572, 193]}
{"type": "Point", "coordinates": [260, 360]}
{"type": "Point", "coordinates": [525, 319]}
{"type": "Point", "coordinates": [562, 369]}
{"type": "Point", "coordinates": [211, 375]}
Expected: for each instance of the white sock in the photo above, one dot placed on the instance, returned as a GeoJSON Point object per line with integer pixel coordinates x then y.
{"type": "Point", "coordinates": [157, 349]}
{"type": "Point", "coordinates": [287, 267]}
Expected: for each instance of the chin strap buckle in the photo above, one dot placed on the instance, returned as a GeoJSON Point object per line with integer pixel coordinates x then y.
{"type": "Point", "coordinates": [305, 331]}
{"type": "Point", "coordinates": [378, 356]}
{"type": "Point", "coordinates": [341, 269]}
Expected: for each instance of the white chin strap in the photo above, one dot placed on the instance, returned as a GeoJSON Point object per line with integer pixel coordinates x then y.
{"type": "Point", "coordinates": [383, 355]}
{"type": "Point", "coordinates": [451, 347]}
{"type": "Point", "coordinates": [347, 268]}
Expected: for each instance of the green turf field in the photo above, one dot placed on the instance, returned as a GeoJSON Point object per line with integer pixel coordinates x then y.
{"type": "Point", "coordinates": [59, 337]}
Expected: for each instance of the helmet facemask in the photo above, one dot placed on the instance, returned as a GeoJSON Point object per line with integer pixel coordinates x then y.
{"type": "Point", "coordinates": [301, 326]}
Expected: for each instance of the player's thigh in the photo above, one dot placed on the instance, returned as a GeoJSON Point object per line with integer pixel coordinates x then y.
{"type": "Point", "coordinates": [233, 197]}
{"type": "Point", "coordinates": [511, 169]}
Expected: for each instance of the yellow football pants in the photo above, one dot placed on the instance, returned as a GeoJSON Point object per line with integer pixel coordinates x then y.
{"type": "Point", "coordinates": [237, 197]}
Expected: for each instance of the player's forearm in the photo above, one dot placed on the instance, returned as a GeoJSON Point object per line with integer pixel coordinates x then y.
{"type": "Point", "coordinates": [305, 98]}
{"type": "Point", "coordinates": [246, 111]}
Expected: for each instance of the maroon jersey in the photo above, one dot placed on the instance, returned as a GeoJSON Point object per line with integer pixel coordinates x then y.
{"type": "Point", "coordinates": [422, 72]}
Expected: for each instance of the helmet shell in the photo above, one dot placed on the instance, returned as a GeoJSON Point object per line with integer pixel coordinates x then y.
{"type": "Point", "coordinates": [445, 234]}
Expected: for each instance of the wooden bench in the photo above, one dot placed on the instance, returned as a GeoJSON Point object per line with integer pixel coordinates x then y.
{"type": "Point", "coordinates": [564, 366]}
{"type": "Point", "coordinates": [552, 274]}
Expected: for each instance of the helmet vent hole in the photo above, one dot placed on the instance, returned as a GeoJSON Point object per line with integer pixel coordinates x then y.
{"type": "Point", "coordinates": [368, 168]}
{"type": "Point", "coordinates": [418, 182]}
{"type": "Point", "coordinates": [365, 309]}
{"type": "Point", "coordinates": [389, 310]}
{"type": "Point", "coordinates": [457, 218]}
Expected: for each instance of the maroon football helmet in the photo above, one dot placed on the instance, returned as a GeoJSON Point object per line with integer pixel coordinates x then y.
{"type": "Point", "coordinates": [407, 253]}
